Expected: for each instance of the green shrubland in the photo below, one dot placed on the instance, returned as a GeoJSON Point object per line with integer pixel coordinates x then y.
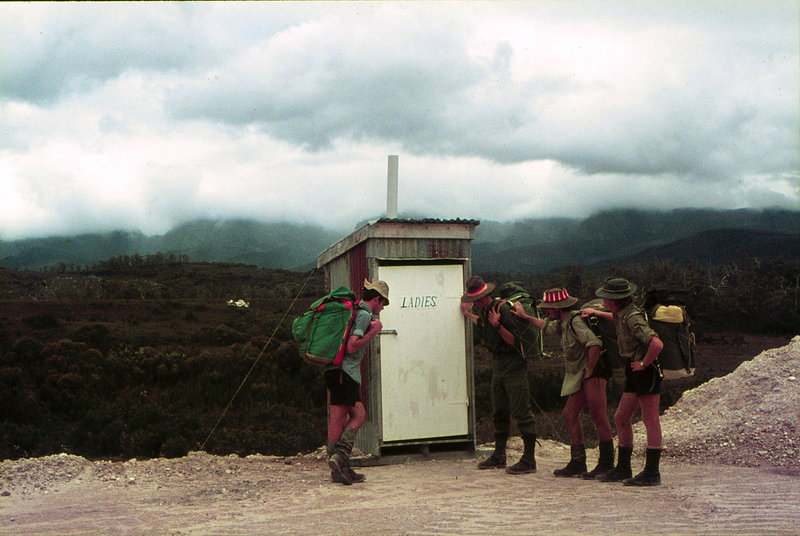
{"type": "Point", "coordinates": [142, 357]}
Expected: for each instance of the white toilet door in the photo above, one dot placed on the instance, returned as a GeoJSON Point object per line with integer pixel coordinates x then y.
{"type": "Point", "coordinates": [424, 366]}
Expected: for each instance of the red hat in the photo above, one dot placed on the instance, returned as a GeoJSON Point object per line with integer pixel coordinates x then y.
{"type": "Point", "coordinates": [557, 298]}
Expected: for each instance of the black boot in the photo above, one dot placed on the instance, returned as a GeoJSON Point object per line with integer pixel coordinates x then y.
{"type": "Point", "coordinates": [339, 462]}
{"type": "Point", "coordinates": [496, 459]}
{"type": "Point", "coordinates": [623, 468]}
{"type": "Point", "coordinates": [354, 477]}
{"type": "Point", "coordinates": [605, 461]}
{"type": "Point", "coordinates": [577, 462]}
{"type": "Point", "coordinates": [526, 464]}
{"type": "Point", "coordinates": [651, 475]}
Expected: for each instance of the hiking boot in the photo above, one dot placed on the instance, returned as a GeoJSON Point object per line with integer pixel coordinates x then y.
{"type": "Point", "coordinates": [522, 467]}
{"type": "Point", "coordinates": [605, 461]}
{"type": "Point", "coordinates": [617, 474]}
{"type": "Point", "coordinates": [339, 461]}
{"type": "Point", "coordinates": [355, 478]}
{"type": "Point", "coordinates": [497, 460]}
{"type": "Point", "coordinates": [339, 470]}
{"type": "Point", "coordinates": [577, 462]}
{"type": "Point", "coordinates": [493, 462]}
{"type": "Point", "coordinates": [623, 468]}
{"type": "Point", "coordinates": [651, 475]}
{"type": "Point", "coordinates": [644, 479]}
{"type": "Point", "coordinates": [526, 464]}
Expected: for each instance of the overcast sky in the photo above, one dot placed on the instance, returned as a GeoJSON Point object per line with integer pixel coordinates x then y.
{"type": "Point", "coordinates": [144, 115]}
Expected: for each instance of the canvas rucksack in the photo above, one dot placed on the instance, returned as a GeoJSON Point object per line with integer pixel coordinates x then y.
{"type": "Point", "coordinates": [609, 349]}
{"type": "Point", "coordinates": [666, 313]}
{"type": "Point", "coordinates": [323, 330]}
{"type": "Point", "coordinates": [606, 331]}
{"type": "Point", "coordinates": [529, 339]}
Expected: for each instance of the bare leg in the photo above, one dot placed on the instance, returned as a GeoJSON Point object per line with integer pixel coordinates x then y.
{"type": "Point", "coordinates": [571, 413]}
{"type": "Point", "coordinates": [652, 423]}
{"type": "Point", "coordinates": [628, 405]}
{"type": "Point", "coordinates": [595, 392]}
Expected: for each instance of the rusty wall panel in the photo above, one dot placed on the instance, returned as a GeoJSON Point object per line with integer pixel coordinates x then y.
{"type": "Point", "coordinates": [358, 267]}
{"type": "Point", "coordinates": [359, 271]}
{"type": "Point", "coordinates": [422, 248]}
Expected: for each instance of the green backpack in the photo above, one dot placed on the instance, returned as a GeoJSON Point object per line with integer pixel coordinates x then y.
{"type": "Point", "coordinates": [529, 338]}
{"type": "Point", "coordinates": [323, 330]}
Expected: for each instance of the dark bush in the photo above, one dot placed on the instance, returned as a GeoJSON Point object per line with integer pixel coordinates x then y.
{"type": "Point", "coordinates": [42, 321]}
{"type": "Point", "coordinates": [221, 335]}
{"type": "Point", "coordinates": [96, 336]}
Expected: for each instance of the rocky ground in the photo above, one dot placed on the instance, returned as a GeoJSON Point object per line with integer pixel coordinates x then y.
{"type": "Point", "coordinates": [750, 417]}
{"type": "Point", "coordinates": [731, 466]}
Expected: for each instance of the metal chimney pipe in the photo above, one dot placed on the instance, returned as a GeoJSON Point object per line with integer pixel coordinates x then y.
{"type": "Point", "coordinates": [391, 190]}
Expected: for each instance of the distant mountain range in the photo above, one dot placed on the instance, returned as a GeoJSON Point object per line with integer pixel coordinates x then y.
{"type": "Point", "coordinates": [267, 245]}
{"type": "Point", "coordinates": [619, 236]}
{"type": "Point", "coordinates": [534, 245]}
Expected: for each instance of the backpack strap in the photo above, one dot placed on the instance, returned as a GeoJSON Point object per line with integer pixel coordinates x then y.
{"type": "Point", "coordinates": [337, 361]}
{"type": "Point", "coordinates": [636, 311]}
{"type": "Point", "coordinates": [572, 319]}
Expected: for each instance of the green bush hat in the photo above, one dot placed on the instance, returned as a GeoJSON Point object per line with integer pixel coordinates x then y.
{"type": "Point", "coordinates": [477, 288]}
{"type": "Point", "coordinates": [616, 288]}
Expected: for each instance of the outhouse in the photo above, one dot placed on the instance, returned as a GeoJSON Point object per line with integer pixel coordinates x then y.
{"type": "Point", "coordinates": [418, 383]}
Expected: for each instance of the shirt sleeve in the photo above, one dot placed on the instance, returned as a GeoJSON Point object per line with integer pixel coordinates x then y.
{"type": "Point", "coordinates": [361, 324]}
{"type": "Point", "coordinates": [640, 330]}
{"type": "Point", "coordinates": [584, 333]}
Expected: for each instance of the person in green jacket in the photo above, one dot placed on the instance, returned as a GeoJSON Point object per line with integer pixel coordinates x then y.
{"type": "Point", "coordinates": [498, 330]}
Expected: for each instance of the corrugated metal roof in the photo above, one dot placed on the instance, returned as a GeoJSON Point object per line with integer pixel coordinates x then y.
{"type": "Point", "coordinates": [428, 229]}
{"type": "Point", "coordinates": [427, 220]}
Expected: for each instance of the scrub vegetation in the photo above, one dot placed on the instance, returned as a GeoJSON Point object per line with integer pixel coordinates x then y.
{"type": "Point", "coordinates": [140, 356]}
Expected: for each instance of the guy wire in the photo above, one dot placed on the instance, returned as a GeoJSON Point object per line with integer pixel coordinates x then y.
{"type": "Point", "coordinates": [274, 331]}
{"type": "Point", "coordinates": [549, 421]}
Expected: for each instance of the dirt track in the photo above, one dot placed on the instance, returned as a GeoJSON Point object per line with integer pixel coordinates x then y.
{"type": "Point", "coordinates": [209, 495]}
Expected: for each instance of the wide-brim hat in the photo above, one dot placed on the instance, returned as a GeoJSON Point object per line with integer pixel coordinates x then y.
{"type": "Point", "coordinates": [557, 298]}
{"type": "Point", "coordinates": [616, 288]}
{"type": "Point", "coordinates": [381, 287]}
{"type": "Point", "coordinates": [477, 288]}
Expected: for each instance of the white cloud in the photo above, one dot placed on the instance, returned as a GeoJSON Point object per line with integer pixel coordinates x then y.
{"type": "Point", "coordinates": [145, 115]}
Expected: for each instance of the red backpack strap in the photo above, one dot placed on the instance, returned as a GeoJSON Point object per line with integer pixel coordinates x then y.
{"type": "Point", "coordinates": [337, 361]}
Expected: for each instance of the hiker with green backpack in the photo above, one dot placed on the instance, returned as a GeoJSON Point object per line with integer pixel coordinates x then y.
{"type": "Point", "coordinates": [346, 413]}
{"type": "Point", "coordinates": [511, 342]}
{"type": "Point", "coordinates": [586, 376]}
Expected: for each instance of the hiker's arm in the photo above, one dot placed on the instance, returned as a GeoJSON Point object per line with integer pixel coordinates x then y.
{"type": "Point", "coordinates": [466, 310]}
{"type": "Point", "coordinates": [494, 320]}
{"type": "Point", "coordinates": [594, 357]}
{"type": "Point", "coordinates": [356, 343]}
{"type": "Point", "coordinates": [654, 348]}
{"type": "Point", "coordinates": [519, 310]}
{"type": "Point", "coordinates": [586, 313]}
